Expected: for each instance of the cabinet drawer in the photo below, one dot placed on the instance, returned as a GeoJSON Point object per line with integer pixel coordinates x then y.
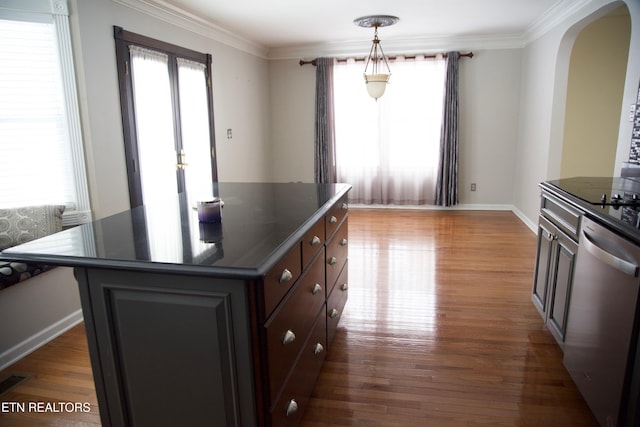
{"type": "Point", "coordinates": [336, 302]}
{"type": "Point", "coordinates": [337, 253]}
{"type": "Point", "coordinates": [279, 280]}
{"type": "Point", "coordinates": [291, 324]}
{"type": "Point", "coordinates": [312, 242]}
{"type": "Point", "coordinates": [335, 216]}
{"type": "Point", "coordinates": [292, 403]}
{"type": "Point", "coordinates": [561, 214]}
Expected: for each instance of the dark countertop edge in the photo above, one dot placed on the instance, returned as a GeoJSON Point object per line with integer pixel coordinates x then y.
{"type": "Point", "coordinates": [593, 212]}
{"type": "Point", "coordinates": [206, 270]}
{"type": "Point", "coordinates": [148, 267]}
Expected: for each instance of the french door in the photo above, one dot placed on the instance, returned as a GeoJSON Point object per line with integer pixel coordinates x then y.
{"type": "Point", "coordinates": [167, 116]}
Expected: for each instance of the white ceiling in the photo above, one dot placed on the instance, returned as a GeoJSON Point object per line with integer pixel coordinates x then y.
{"type": "Point", "coordinates": [290, 24]}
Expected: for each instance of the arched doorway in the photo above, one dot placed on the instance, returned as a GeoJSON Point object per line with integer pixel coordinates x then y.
{"type": "Point", "coordinates": [595, 86]}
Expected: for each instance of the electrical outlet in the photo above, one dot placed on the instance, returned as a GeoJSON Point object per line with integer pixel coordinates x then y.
{"type": "Point", "coordinates": [473, 186]}
{"type": "Point", "coordinates": [229, 134]}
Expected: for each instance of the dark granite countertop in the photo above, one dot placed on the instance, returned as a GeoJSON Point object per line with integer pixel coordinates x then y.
{"type": "Point", "coordinates": [260, 223]}
{"type": "Point", "coordinates": [584, 193]}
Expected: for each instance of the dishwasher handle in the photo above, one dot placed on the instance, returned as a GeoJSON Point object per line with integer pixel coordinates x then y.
{"type": "Point", "coordinates": [626, 267]}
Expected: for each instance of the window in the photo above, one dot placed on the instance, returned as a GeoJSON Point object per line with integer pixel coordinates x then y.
{"type": "Point", "coordinates": [166, 101]}
{"type": "Point", "coordinates": [388, 149]}
{"type": "Point", "coordinates": [40, 135]}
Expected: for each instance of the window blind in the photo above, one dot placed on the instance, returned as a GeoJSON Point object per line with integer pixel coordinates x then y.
{"type": "Point", "coordinates": [40, 140]}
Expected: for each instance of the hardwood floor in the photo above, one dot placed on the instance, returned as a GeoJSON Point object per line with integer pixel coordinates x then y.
{"type": "Point", "coordinates": [57, 372]}
{"type": "Point", "coordinates": [439, 330]}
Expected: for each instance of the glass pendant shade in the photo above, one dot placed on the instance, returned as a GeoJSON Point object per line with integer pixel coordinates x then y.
{"type": "Point", "coordinates": [376, 84]}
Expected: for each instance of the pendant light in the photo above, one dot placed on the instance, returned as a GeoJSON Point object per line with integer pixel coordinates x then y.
{"type": "Point", "coordinates": [375, 75]}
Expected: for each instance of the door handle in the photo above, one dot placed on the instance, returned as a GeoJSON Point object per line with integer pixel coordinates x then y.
{"type": "Point", "coordinates": [182, 160]}
{"type": "Point", "coordinates": [622, 265]}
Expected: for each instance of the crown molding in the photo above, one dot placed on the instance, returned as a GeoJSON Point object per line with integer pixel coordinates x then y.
{"type": "Point", "coordinates": [412, 46]}
{"type": "Point", "coordinates": [163, 11]}
{"type": "Point", "coordinates": [552, 17]}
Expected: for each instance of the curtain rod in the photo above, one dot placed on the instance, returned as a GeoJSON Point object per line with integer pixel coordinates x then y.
{"type": "Point", "coordinates": [390, 58]}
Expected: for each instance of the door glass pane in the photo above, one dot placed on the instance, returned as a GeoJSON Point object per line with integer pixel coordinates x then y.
{"type": "Point", "coordinates": [194, 119]}
{"type": "Point", "coordinates": [154, 124]}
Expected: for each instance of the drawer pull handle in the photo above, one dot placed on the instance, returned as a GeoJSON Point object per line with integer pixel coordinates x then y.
{"type": "Point", "coordinates": [343, 242]}
{"type": "Point", "coordinates": [344, 287]}
{"type": "Point", "coordinates": [315, 241]}
{"type": "Point", "coordinates": [318, 348]}
{"type": "Point", "coordinates": [289, 337]}
{"type": "Point", "coordinates": [292, 407]}
{"type": "Point", "coordinates": [344, 206]}
{"type": "Point", "coordinates": [333, 260]}
{"type": "Point", "coordinates": [333, 220]}
{"type": "Point", "coordinates": [316, 288]}
{"type": "Point", "coordinates": [285, 276]}
{"type": "Point", "coordinates": [333, 313]}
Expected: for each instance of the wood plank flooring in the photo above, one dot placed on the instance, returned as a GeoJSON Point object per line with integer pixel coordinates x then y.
{"type": "Point", "coordinates": [439, 330]}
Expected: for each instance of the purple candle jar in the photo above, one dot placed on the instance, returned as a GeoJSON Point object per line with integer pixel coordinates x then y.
{"type": "Point", "coordinates": [209, 210]}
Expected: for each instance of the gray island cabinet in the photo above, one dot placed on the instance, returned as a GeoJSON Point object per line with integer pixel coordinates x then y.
{"type": "Point", "coordinates": [221, 324]}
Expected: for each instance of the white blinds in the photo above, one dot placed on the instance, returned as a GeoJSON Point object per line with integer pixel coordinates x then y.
{"type": "Point", "coordinates": [33, 133]}
{"type": "Point", "coordinates": [40, 139]}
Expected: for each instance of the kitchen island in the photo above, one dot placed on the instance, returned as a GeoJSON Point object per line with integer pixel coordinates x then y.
{"type": "Point", "coordinates": [192, 323]}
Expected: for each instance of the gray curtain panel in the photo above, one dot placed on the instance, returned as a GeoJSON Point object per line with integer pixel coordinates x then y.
{"type": "Point", "coordinates": [447, 184]}
{"type": "Point", "coordinates": [325, 157]}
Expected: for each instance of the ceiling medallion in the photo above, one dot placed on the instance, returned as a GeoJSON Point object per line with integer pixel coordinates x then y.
{"type": "Point", "coordinates": [372, 21]}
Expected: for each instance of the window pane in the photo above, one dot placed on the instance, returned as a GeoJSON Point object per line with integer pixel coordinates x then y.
{"type": "Point", "coordinates": [194, 120]}
{"type": "Point", "coordinates": [33, 130]}
{"type": "Point", "coordinates": [154, 124]}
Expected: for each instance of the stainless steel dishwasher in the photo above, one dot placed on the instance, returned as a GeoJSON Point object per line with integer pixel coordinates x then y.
{"type": "Point", "coordinates": [601, 335]}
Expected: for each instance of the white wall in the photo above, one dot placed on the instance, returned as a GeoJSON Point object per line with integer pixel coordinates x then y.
{"type": "Point", "coordinates": [292, 120]}
{"type": "Point", "coordinates": [489, 96]}
{"type": "Point", "coordinates": [35, 311]}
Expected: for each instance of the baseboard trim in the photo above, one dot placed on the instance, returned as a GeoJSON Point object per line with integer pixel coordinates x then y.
{"type": "Point", "coordinates": [39, 339]}
{"type": "Point", "coordinates": [532, 225]}
{"type": "Point", "coordinates": [460, 207]}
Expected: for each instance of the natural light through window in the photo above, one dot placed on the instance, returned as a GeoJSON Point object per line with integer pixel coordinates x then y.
{"type": "Point", "coordinates": [33, 128]}
{"type": "Point", "coordinates": [154, 123]}
{"type": "Point", "coordinates": [194, 117]}
{"type": "Point", "coordinates": [388, 149]}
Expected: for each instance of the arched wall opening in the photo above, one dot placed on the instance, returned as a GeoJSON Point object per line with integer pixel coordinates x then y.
{"type": "Point", "coordinates": [590, 83]}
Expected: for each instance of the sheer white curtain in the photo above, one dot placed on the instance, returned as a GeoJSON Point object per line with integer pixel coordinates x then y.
{"type": "Point", "coordinates": [157, 153]}
{"type": "Point", "coordinates": [194, 119]}
{"type": "Point", "coordinates": [388, 149]}
{"type": "Point", "coordinates": [154, 123]}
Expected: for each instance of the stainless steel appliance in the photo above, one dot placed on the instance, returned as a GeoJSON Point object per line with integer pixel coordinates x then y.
{"type": "Point", "coordinates": [602, 324]}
